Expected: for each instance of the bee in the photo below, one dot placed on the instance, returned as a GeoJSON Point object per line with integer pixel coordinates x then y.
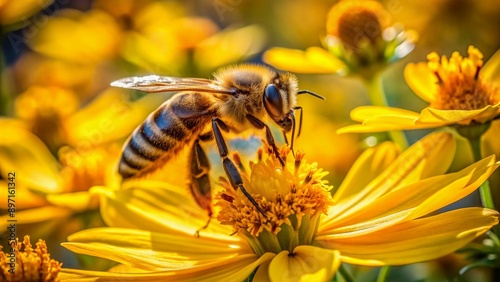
{"type": "Point", "coordinates": [239, 98]}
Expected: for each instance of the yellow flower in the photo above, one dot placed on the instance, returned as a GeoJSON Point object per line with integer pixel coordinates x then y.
{"type": "Point", "coordinates": [379, 216]}
{"type": "Point", "coordinates": [28, 264]}
{"type": "Point", "coordinates": [357, 23]}
{"type": "Point", "coordinates": [53, 187]}
{"type": "Point", "coordinates": [46, 188]}
{"type": "Point", "coordinates": [51, 194]}
{"type": "Point", "coordinates": [359, 40]}
{"type": "Point", "coordinates": [460, 91]}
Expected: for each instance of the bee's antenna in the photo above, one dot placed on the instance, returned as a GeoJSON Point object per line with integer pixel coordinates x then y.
{"type": "Point", "coordinates": [310, 93]}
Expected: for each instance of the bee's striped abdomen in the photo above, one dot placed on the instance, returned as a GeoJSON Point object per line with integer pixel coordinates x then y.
{"type": "Point", "coordinates": [162, 135]}
{"type": "Point", "coordinates": [150, 142]}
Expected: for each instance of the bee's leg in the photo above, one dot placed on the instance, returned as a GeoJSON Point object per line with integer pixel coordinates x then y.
{"type": "Point", "coordinates": [229, 167]}
{"type": "Point", "coordinates": [200, 181]}
{"type": "Point", "coordinates": [269, 136]}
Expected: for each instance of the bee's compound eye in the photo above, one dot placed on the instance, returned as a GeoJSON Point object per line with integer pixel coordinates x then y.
{"type": "Point", "coordinates": [273, 102]}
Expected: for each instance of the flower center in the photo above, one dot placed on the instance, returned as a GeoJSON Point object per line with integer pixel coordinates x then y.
{"type": "Point", "coordinates": [293, 197]}
{"type": "Point", "coordinates": [44, 108]}
{"type": "Point", "coordinates": [460, 84]}
{"type": "Point", "coordinates": [84, 169]}
{"type": "Point", "coordinates": [28, 264]}
{"type": "Point", "coordinates": [356, 23]}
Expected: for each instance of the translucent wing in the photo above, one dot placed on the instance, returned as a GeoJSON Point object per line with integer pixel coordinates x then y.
{"type": "Point", "coordinates": [156, 83]}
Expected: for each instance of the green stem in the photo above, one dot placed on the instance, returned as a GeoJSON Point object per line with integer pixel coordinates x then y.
{"type": "Point", "coordinates": [378, 98]}
{"type": "Point", "coordinates": [345, 273]}
{"type": "Point", "coordinates": [384, 273]}
{"type": "Point", "coordinates": [484, 190]}
{"type": "Point", "coordinates": [375, 92]}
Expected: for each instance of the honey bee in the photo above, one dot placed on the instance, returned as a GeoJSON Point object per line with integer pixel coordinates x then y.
{"type": "Point", "coordinates": [239, 98]}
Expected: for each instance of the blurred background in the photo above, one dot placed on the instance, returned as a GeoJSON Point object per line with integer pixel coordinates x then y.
{"type": "Point", "coordinates": [59, 56]}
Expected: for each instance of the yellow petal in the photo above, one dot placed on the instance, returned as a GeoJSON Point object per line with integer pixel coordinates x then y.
{"type": "Point", "coordinates": [319, 56]}
{"type": "Point", "coordinates": [313, 60]}
{"type": "Point", "coordinates": [150, 250]}
{"type": "Point", "coordinates": [417, 240]}
{"type": "Point", "coordinates": [157, 206]}
{"type": "Point", "coordinates": [78, 276]}
{"type": "Point", "coordinates": [229, 46]}
{"type": "Point", "coordinates": [306, 262]}
{"type": "Point", "coordinates": [364, 113]}
{"type": "Point", "coordinates": [123, 268]}
{"type": "Point", "coordinates": [406, 169]}
{"type": "Point", "coordinates": [401, 123]}
{"type": "Point", "coordinates": [475, 174]}
{"type": "Point", "coordinates": [370, 164]}
{"type": "Point", "coordinates": [491, 70]}
{"type": "Point", "coordinates": [422, 81]}
{"type": "Point", "coordinates": [463, 117]}
{"type": "Point", "coordinates": [262, 273]}
{"type": "Point", "coordinates": [381, 119]}
{"type": "Point", "coordinates": [438, 160]}
{"type": "Point", "coordinates": [24, 154]}
{"type": "Point", "coordinates": [166, 257]}
{"type": "Point", "coordinates": [237, 269]}
{"type": "Point", "coordinates": [388, 123]}
{"type": "Point", "coordinates": [380, 127]}
{"type": "Point", "coordinates": [415, 200]}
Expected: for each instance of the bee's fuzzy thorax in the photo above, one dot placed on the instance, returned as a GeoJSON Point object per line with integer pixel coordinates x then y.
{"type": "Point", "coordinates": [249, 82]}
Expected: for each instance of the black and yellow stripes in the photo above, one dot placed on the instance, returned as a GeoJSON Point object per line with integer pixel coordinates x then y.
{"type": "Point", "coordinates": [162, 135]}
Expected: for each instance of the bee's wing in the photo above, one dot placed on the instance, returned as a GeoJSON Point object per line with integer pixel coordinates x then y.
{"type": "Point", "coordinates": [156, 83]}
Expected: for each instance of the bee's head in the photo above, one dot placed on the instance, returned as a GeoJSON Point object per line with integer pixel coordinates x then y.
{"type": "Point", "coordinates": [274, 103]}
{"type": "Point", "coordinates": [279, 99]}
